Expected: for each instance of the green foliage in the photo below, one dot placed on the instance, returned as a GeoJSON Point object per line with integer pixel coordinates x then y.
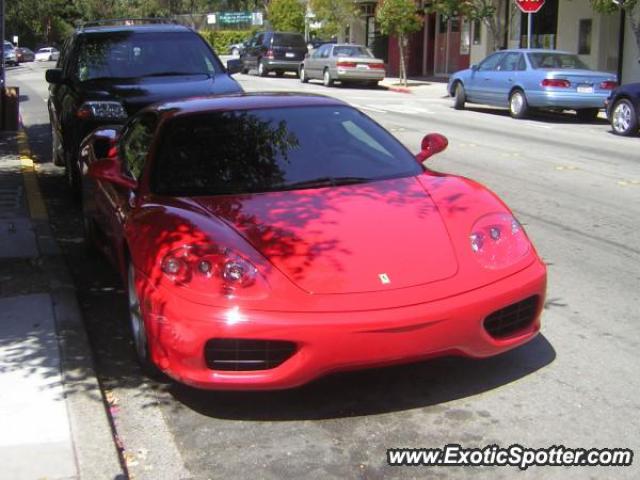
{"type": "Point", "coordinates": [287, 15]}
{"type": "Point", "coordinates": [398, 17]}
{"type": "Point", "coordinates": [608, 6]}
{"type": "Point", "coordinates": [334, 14]}
{"type": "Point", "coordinates": [221, 39]}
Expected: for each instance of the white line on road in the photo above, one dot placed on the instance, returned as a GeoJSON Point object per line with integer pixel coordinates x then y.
{"type": "Point", "coordinates": [371, 109]}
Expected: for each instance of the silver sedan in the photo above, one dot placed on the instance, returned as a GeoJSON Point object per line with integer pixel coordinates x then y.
{"type": "Point", "coordinates": [344, 63]}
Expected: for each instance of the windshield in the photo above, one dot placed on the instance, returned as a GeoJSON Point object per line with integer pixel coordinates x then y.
{"type": "Point", "coordinates": [288, 40]}
{"type": "Point", "coordinates": [351, 51]}
{"type": "Point", "coordinates": [556, 60]}
{"type": "Point", "coordinates": [134, 54]}
{"type": "Point", "coordinates": [265, 150]}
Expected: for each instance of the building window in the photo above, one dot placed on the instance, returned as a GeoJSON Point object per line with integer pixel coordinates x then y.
{"type": "Point", "coordinates": [584, 37]}
{"type": "Point", "coordinates": [477, 32]}
{"type": "Point", "coordinates": [465, 37]}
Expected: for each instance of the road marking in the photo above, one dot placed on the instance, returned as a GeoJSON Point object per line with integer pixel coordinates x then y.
{"type": "Point", "coordinates": [547, 127]}
{"type": "Point", "coordinates": [371, 109]}
{"type": "Point", "coordinates": [37, 208]}
{"type": "Point", "coordinates": [566, 167]}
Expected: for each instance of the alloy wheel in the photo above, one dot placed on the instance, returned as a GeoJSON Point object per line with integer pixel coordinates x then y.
{"type": "Point", "coordinates": [621, 121]}
{"type": "Point", "coordinates": [135, 317]}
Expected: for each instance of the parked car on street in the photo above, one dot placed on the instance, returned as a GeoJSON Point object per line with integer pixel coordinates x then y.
{"type": "Point", "coordinates": [47, 54]}
{"type": "Point", "coordinates": [111, 69]}
{"type": "Point", "coordinates": [278, 52]}
{"type": "Point", "coordinates": [24, 54]}
{"type": "Point", "coordinates": [236, 49]}
{"type": "Point", "coordinates": [523, 80]}
{"type": "Point", "coordinates": [258, 255]}
{"type": "Point", "coordinates": [342, 62]}
{"type": "Point", "coordinates": [10, 57]}
{"type": "Point", "coordinates": [623, 109]}
{"type": "Point", "coordinates": [314, 43]}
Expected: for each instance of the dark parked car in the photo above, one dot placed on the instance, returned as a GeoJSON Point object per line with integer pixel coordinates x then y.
{"type": "Point", "coordinates": [274, 51]}
{"type": "Point", "coordinates": [108, 70]}
{"type": "Point", "coordinates": [623, 109]}
{"type": "Point", "coordinates": [23, 54]}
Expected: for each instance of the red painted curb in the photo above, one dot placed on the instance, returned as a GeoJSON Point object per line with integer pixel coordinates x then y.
{"type": "Point", "coordinates": [399, 89]}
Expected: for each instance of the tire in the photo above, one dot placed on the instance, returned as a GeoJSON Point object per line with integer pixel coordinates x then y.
{"type": "Point", "coordinates": [372, 84]}
{"type": "Point", "coordinates": [137, 326]}
{"type": "Point", "coordinates": [518, 106]}
{"type": "Point", "coordinates": [262, 69]}
{"type": "Point", "coordinates": [587, 114]}
{"type": "Point", "coordinates": [303, 75]}
{"type": "Point", "coordinates": [327, 81]}
{"type": "Point", "coordinates": [459, 97]}
{"type": "Point", "coordinates": [624, 118]}
{"type": "Point", "coordinates": [73, 177]}
{"type": "Point", "coordinates": [55, 156]}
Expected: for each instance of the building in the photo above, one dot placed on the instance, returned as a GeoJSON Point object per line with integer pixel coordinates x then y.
{"type": "Point", "coordinates": [445, 45]}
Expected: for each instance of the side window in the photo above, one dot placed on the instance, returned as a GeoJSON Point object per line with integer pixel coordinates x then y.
{"type": "Point", "coordinates": [491, 62]}
{"type": "Point", "coordinates": [258, 40]}
{"type": "Point", "coordinates": [135, 143]}
{"type": "Point", "coordinates": [325, 53]}
{"type": "Point", "coordinates": [509, 62]}
{"type": "Point", "coordinates": [522, 65]}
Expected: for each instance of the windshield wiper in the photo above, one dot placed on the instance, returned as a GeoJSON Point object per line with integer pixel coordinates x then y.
{"type": "Point", "coordinates": [326, 182]}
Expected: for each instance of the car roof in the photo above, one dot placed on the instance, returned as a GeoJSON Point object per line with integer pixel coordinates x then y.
{"type": "Point", "coordinates": [146, 28]}
{"type": "Point", "coordinates": [243, 101]}
{"type": "Point", "coordinates": [534, 50]}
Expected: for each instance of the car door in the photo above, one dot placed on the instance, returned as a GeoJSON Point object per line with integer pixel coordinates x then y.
{"type": "Point", "coordinates": [504, 78]}
{"type": "Point", "coordinates": [114, 202]}
{"type": "Point", "coordinates": [317, 61]}
{"type": "Point", "coordinates": [478, 87]}
{"type": "Point", "coordinates": [250, 55]}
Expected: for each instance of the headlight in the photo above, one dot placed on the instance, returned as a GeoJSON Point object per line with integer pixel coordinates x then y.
{"type": "Point", "coordinates": [214, 270]}
{"type": "Point", "coordinates": [498, 240]}
{"type": "Point", "coordinates": [101, 110]}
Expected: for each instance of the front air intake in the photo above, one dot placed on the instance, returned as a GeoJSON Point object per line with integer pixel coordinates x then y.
{"type": "Point", "coordinates": [235, 354]}
{"type": "Point", "coordinates": [510, 320]}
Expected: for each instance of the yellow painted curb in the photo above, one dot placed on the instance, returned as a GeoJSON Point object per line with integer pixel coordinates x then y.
{"type": "Point", "coordinates": [37, 208]}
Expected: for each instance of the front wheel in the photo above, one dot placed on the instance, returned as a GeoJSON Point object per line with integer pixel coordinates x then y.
{"type": "Point", "coordinates": [624, 118]}
{"type": "Point", "coordinates": [327, 81]}
{"type": "Point", "coordinates": [518, 106]}
{"type": "Point", "coordinates": [459, 97]}
{"type": "Point", "coordinates": [303, 75]}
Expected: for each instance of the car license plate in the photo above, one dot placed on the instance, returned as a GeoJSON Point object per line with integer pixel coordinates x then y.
{"type": "Point", "coordinates": [585, 88]}
{"type": "Point", "coordinates": [289, 54]}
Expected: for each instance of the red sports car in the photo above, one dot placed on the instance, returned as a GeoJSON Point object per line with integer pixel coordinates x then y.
{"type": "Point", "coordinates": [268, 239]}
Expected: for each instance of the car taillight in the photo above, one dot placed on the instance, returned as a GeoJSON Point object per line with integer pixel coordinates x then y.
{"type": "Point", "coordinates": [377, 65]}
{"type": "Point", "coordinates": [346, 64]}
{"type": "Point", "coordinates": [608, 85]}
{"type": "Point", "coordinates": [215, 270]}
{"type": "Point", "coordinates": [556, 82]}
{"type": "Point", "coordinates": [269, 54]}
{"type": "Point", "coordinates": [101, 110]}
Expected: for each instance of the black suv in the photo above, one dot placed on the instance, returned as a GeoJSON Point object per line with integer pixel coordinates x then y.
{"type": "Point", "coordinates": [274, 51]}
{"type": "Point", "coordinates": [108, 70]}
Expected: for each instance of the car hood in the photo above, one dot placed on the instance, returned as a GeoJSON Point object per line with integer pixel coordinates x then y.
{"type": "Point", "coordinates": [138, 93]}
{"type": "Point", "coordinates": [358, 238]}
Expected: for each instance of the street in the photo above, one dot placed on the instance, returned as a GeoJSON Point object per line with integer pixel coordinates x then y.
{"type": "Point", "coordinates": [576, 189]}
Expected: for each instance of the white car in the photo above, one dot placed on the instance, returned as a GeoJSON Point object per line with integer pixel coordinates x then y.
{"type": "Point", "coordinates": [47, 54]}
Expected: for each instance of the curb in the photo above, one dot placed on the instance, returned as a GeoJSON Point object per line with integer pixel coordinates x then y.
{"type": "Point", "coordinates": [92, 431]}
{"type": "Point", "coordinates": [399, 89]}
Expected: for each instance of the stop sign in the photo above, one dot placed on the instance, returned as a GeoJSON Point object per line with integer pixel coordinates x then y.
{"type": "Point", "coordinates": [529, 6]}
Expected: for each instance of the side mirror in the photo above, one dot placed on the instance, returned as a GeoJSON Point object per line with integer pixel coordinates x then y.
{"type": "Point", "coordinates": [474, 67]}
{"type": "Point", "coordinates": [234, 65]}
{"type": "Point", "coordinates": [110, 170]}
{"type": "Point", "coordinates": [432, 144]}
{"type": "Point", "coordinates": [54, 76]}
{"type": "Point", "coordinates": [105, 140]}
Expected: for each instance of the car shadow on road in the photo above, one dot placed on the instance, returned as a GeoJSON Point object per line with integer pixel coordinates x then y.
{"type": "Point", "coordinates": [374, 391]}
{"type": "Point", "coordinates": [545, 116]}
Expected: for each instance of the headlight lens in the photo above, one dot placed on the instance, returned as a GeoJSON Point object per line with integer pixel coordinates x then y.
{"type": "Point", "coordinates": [214, 270]}
{"type": "Point", "coordinates": [498, 240]}
{"type": "Point", "coordinates": [101, 110]}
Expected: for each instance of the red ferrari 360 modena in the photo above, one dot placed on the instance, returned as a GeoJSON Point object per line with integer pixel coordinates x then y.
{"type": "Point", "coordinates": [268, 239]}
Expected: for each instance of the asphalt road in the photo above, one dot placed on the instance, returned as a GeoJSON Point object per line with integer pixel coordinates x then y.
{"type": "Point", "coordinates": [576, 188]}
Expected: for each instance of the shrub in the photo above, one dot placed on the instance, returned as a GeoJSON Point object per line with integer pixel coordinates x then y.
{"type": "Point", "coordinates": [221, 39]}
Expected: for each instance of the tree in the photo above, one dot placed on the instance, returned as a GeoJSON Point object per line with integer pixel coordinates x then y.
{"type": "Point", "coordinates": [286, 15]}
{"type": "Point", "coordinates": [399, 18]}
{"type": "Point", "coordinates": [335, 15]}
{"type": "Point", "coordinates": [631, 9]}
{"type": "Point", "coordinates": [489, 12]}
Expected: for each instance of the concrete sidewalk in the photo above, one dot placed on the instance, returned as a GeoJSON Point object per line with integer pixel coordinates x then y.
{"type": "Point", "coordinates": [424, 87]}
{"type": "Point", "coordinates": [53, 420]}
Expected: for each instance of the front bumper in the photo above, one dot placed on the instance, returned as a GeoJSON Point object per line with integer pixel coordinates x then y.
{"type": "Point", "coordinates": [328, 342]}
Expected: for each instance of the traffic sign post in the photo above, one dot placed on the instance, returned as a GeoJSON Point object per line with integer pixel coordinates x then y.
{"type": "Point", "coordinates": [529, 7]}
